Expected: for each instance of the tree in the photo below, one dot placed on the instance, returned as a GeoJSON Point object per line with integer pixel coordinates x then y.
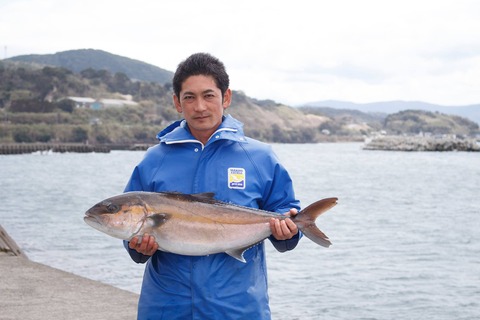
{"type": "Point", "coordinates": [66, 105]}
{"type": "Point", "coordinates": [79, 134]}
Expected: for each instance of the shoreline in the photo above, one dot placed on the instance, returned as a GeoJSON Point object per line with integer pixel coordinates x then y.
{"type": "Point", "coordinates": [31, 290]}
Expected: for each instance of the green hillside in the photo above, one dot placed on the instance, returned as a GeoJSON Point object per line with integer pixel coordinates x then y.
{"type": "Point", "coordinates": [414, 122]}
{"type": "Point", "coordinates": [34, 108]}
{"type": "Point", "coordinates": [79, 60]}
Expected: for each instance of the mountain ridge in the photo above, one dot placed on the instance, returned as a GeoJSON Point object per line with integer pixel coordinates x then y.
{"type": "Point", "coordinates": [33, 108]}
{"type": "Point", "coordinates": [82, 59]}
{"type": "Point", "coordinates": [471, 112]}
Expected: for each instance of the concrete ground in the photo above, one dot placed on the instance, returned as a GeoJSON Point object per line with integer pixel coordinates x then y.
{"type": "Point", "coordinates": [29, 290]}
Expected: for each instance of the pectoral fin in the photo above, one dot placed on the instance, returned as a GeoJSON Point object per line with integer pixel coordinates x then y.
{"type": "Point", "coordinates": [157, 219]}
{"type": "Point", "coordinates": [237, 254]}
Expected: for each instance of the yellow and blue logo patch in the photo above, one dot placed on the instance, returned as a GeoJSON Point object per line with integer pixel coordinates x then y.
{"type": "Point", "coordinates": [236, 178]}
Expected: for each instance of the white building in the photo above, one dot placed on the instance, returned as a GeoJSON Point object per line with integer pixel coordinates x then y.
{"type": "Point", "coordinates": [90, 103]}
{"type": "Point", "coordinates": [82, 102]}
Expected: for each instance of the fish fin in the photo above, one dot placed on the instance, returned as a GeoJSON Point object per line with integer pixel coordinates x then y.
{"type": "Point", "coordinates": [316, 235]}
{"type": "Point", "coordinates": [157, 219]}
{"type": "Point", "coordinates": [237, 254]}
{"type": "Point", "coordinates": [204, 195]}
{"type": "Point", "coordinates": [305, 220]}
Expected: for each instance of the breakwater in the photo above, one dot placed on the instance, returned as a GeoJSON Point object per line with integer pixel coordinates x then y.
{"type": "Point", "coordinates": [20, 148]}
{"type": "Point", "coordinates": [418, 143]}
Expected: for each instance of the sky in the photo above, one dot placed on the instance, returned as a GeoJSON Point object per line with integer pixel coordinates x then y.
{"type": "Point", "coordinates": [293, 52]}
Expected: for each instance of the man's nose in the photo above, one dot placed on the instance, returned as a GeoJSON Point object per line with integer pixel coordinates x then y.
{"type": "Point", "coordinates": [200, 105]}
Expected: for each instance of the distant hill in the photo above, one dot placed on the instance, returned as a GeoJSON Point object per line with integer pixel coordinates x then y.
{"type": "Point", "coordinates": [359, 116]}
{"type": "Point", "coordinates": [413, 122]}
{"type": "Point", "coordinates": [82, 59]}
{"type": "Point", "coordinates": [33, 107]}
{"type": "Point", "coordinates": [79, 60]}
{"type": "Point", "coordinates": [471, 112]}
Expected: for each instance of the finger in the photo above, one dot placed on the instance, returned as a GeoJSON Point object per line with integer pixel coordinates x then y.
{"type": "Point", "coordinates": [272, 224]}
{"type": "Point", "coordinates": [133, 243]}
{"type": "Point", "coordinates": [275, 228]}
{"type": "Point", "coordinates": [151, 242]}
{"type": "Point", "coordinates": [141, 244]}
{"type": "Point", "coordinates": [285, 230]}
{"type": "Point", "coordinates": [293, 212]}
{"type": "Point", "coordinates": [152, 245]}
{"type": "Point", "coordinates": [291, 226]}
{"type": "Point", "coordinates": [279, 227]}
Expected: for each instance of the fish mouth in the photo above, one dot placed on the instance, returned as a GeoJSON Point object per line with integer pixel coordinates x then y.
{"type": "Point", "coordinates": [91, 220]}
{"type": "Point", "coordinates": [97, 222]}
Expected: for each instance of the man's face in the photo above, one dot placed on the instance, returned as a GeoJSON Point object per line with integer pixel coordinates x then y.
{"type": "Point", "coordinates": [202, 105]}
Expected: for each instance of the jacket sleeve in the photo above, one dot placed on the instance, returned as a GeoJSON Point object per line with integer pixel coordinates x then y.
{"type": "Point", "coordinates": [286, 245]}
{"type": "Point", "coordinates": [135, 255]}
{"type": "Point", "coordinates": [280, 197]}
{"type": "Point", "coordinates": [135, 182]}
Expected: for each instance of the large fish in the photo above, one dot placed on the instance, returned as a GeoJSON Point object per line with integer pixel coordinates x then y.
{"type": "Point", "coordinates": [196, 224]}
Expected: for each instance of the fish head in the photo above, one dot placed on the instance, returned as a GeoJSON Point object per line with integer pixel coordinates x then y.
{"type": "Point", "coordinates": [122, 216]}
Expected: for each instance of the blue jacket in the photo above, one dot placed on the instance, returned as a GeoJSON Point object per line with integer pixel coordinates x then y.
{"type": "Point", "coordinates": [237, 169]}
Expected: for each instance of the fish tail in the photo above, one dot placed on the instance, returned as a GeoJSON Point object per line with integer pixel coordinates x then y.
{"type": "Point", "coordinates": [305, 220]}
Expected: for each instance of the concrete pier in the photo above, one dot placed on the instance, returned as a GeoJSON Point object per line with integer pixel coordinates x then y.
{"type": "Point", "coordinates": [29, 290]}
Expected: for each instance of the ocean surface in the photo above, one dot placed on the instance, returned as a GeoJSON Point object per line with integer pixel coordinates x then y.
{"type": "Point", "coordinates": [405, 232]}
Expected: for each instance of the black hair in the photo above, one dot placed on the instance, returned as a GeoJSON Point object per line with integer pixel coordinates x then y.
{"type": "Point", "coordinates": [201, 64]}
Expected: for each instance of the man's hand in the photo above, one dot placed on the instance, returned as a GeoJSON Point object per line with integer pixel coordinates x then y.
{"type": "Point", "coordinates": [145, 245]}
{"type": "Point", "coordinates": [284, 229]}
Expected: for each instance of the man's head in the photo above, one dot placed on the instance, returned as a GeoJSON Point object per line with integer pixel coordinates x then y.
{"type": "Point", "coordinates": [201, 64]}
{"type": "Point", "coordinates": [201, 94]}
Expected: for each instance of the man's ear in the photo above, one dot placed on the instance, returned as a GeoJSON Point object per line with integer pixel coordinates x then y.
{"type": "Point", "coordinates": [227, 98]}
{"type": "Point", "coordinates": [177, 104]}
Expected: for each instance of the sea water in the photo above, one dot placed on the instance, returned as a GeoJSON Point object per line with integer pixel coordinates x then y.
{"type": "Point", "coordinates": [405, 232]}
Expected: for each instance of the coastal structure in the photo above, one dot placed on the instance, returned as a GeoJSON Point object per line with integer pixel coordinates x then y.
{"type": "Point", "coordinates": [421, 143]}
{"type": "Point", "coordinates": [34, 291]}
{"type": "Point", "coordinates": [21, 148]}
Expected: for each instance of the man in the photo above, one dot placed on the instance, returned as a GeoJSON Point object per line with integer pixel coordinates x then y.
{"type": "Point", "coordinates": [208, 152]}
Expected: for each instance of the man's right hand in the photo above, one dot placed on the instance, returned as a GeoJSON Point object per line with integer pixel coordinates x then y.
{"type": "Point", "coordinates": [145, 244]}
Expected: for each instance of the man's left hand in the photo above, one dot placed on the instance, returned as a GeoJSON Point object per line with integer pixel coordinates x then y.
{"type": "Point", "coordinates": [284, 229]}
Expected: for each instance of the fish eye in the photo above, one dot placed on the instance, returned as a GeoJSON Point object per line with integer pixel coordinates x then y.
{"type": "Point", "coordinates": [112, 208]}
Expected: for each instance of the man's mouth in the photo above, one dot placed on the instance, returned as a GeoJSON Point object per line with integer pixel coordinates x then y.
{"type": "Point", "coordinates": [201, 117]}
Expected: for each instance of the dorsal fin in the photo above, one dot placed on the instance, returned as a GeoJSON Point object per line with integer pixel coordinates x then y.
{"type": "Point", "coordinates": [204, 195]}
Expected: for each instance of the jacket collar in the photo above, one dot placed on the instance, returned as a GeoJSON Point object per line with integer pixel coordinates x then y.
{"type": "Point", "coordinates": [178, 132]}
